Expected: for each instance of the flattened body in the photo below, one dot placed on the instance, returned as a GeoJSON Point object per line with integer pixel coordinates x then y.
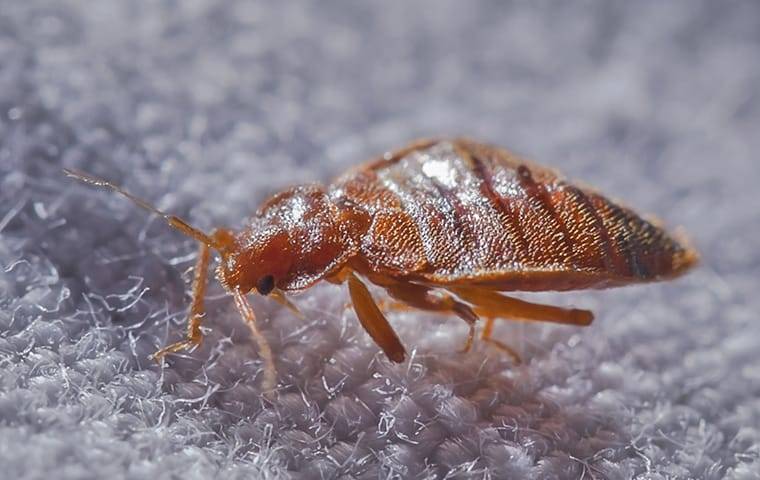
{"type": "Point", "coordinates": [455, 212]}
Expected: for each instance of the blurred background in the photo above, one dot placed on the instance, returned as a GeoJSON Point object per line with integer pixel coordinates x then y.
{"type": "Point", "coordinates": [206, 108]}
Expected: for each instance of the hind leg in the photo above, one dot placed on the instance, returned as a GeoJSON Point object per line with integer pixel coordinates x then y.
{"type": "Point", "coordinates": [486, 337]}
{"type": "Point", "coordinates": [493, 304]}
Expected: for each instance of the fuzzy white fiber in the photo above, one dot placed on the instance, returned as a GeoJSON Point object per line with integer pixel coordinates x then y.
{"type": "Point", "coordinates": [208, 107]}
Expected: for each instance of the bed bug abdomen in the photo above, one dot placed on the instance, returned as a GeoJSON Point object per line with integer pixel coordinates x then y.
{"type": "Point", "coordinates": [456, 211]}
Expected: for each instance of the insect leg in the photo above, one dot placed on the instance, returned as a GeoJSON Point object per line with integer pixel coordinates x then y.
{"type": "Point", "coordinates": [270, 372]}
{"type": "Point", "coordinates": [493, 304]}
{"type": "Point", "coordinates": [486, 337]}
{"type": "Point", "coordinates": [373, 320]}
{"type": "Point", "coordinates": [280, 298]}
{"type": "Point", "coordinates": [419, 296]}
{"type": "Point", "coordinates": [194, 333]}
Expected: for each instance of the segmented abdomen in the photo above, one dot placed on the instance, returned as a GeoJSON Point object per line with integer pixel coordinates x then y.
{"type": "Point", "coordinates": [459, 210]}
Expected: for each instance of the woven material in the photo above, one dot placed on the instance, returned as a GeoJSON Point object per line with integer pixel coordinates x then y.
{"type": "Point", "coordinates": [205, 108]}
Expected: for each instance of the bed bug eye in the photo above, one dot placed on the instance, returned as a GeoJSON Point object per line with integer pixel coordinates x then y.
{"type": "Point", "coordinates": [265, 285]}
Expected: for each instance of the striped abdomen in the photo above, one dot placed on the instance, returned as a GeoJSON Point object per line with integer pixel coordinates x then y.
{"type": "Point", "coordinates": [461, 212]}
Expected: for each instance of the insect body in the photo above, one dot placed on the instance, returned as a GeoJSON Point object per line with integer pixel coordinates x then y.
{"type": "Point", "coordinates": [441, 225]}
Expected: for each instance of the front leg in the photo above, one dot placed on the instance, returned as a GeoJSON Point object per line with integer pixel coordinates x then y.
{"type": "Point", "coordinates": [197, 311]}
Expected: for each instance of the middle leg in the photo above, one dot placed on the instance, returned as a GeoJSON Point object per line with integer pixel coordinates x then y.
{"type": "Point", "coordinates": [423, 298]}
{"type": "Point", "coordinates": [373, 320]}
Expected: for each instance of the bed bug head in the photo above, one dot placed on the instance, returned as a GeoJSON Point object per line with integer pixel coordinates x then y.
{"type": "Point", "coordinates": [297, 237]}
{"type": "Point", "coordinates": [256, 260]}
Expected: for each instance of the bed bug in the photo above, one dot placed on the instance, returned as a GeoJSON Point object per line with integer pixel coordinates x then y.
{"type": "Point", "coordinates": [441, 225]}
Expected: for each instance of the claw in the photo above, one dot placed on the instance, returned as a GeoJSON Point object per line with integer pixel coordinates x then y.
{"type": "Point", "coordinates": [174, 348]}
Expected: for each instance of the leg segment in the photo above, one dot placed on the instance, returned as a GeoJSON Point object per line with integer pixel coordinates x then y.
{"type": "Point", "coordinates": [245, 310]}
{"type": "Point", "coordinates": [373, 320]}
{"type": "Point", "coordinates": [486, 337]}
{"type": "Point", "coordinates": [194, 334]}
{"type": "Point", "coordinates": [493, 304]}
{"type": "Point", "coordinates": [280, 298]}
{"type": "Point", "coordinates": [419, 296]}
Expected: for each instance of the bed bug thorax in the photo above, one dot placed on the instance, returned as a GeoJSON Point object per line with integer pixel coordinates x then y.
{"type": "Point", "coordinates": [441, 226]}
{"type": "Point", "coordinates": [297, 238]}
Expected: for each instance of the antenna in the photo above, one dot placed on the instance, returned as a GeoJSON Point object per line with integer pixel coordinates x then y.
{"type": "Point", "coordinates": [172, 220]}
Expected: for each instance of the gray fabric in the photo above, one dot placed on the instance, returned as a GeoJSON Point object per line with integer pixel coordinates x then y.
{"type": "Point", "coordinates": [205, 108]}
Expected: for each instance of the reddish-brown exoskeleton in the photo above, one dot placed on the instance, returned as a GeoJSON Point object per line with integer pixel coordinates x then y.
{"type": "Point", "coordinates": [441, 225]}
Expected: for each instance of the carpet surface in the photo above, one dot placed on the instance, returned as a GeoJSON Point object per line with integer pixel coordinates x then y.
{"type": "Point", "coordinates": [205, 108]}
